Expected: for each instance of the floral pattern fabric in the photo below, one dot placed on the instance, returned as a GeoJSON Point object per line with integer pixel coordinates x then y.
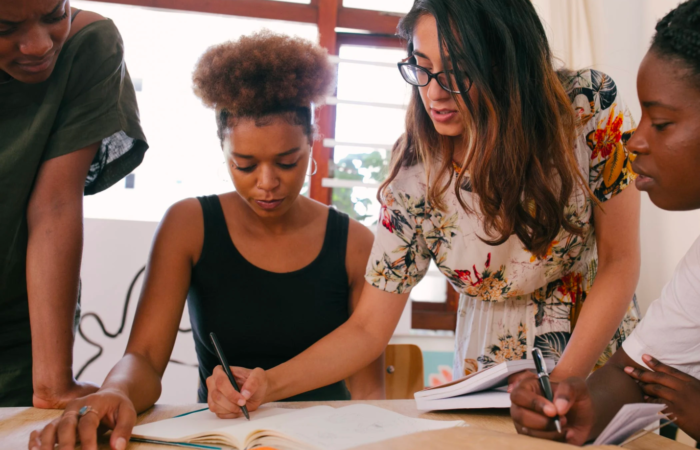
{"type": "Point", "coordinates": [512, 301]}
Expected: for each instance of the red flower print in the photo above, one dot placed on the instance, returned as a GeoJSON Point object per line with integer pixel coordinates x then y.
{"type": "Point", "coordinates": [571, 286]}
{"type": "Point", "coordinates": [604, 139]}
{"type": "Point", "coordinates": [464, 275]}
{"type": "Point", "coordinates": [478, 277]}
{"type": "Point", "coordinates": [386, 219]}
{"type": "Point", "coordinates": [488, 261]}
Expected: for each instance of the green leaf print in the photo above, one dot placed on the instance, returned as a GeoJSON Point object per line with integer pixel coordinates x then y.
{"type": "Point", "coordinates": [552, 344]}
{"type": "Point", "coordinates": [605, 88]}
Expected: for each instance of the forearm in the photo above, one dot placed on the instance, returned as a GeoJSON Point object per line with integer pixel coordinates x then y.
{"type": "Point", "coordinates": [335, 357]}
{"type": "Point", "coordinates": [53, 269]}
{"type": "Point", "coordinates": [600, 317]}
{"type": "Point", "coordinates": [135, 377]}
{"type": "Point", "coordinates": [368, 383]}
{"type": "Point", "coordinates": [611, 388]}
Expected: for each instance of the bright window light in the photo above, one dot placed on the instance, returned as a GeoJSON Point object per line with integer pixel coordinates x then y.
{"type": "Point", "coordinates": [184, 159]}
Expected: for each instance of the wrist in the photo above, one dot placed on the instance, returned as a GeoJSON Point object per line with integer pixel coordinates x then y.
{"type": "Point", "coordinates": [52, 383]}
{"type": "Point", "coordinates": [273, 386]}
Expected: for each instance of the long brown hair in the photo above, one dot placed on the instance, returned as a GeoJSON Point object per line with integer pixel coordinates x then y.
{"type": "Point", "coordinates": [519, 133]}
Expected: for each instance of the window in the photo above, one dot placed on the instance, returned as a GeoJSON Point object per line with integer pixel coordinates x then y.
{"type": "Point", "coordinates": [370, 116]}
{"type": "Point", "coordinates": [184, 159]}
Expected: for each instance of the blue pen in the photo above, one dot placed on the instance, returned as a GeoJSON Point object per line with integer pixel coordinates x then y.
{"type": "Point", "coordinates": [544, 380]}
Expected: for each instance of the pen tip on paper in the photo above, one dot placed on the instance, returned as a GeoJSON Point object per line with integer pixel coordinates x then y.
{"type": "Point", "coordinates": [558, 425]}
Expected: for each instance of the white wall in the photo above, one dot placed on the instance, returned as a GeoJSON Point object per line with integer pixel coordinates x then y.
{"type": "Point", "coordinates": [114, 252]}
{"type": "Point", "coordinates": [623, 30]}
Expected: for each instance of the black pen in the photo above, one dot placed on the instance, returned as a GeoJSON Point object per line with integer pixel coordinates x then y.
{"type": "Point", "coordinates": [224, 364]}
{"type": "Point", "coordinates": [544, 380]}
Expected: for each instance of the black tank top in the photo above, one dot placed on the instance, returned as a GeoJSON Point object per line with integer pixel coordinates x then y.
{"type": "Point", "coordinates": [264, 318]}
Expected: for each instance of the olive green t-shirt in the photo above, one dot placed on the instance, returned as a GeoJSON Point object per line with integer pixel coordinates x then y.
{"type": "Point", "coordinates": [88, 98]}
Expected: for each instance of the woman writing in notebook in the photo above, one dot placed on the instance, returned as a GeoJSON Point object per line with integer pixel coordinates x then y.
{"type": "Point", "coordinates": [667, 145]}
{"type": "Point", "coordinates": [267, 269]}
{"type": "Point", "coordinates": [514, 180]}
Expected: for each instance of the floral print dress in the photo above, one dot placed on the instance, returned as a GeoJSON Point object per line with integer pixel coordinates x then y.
{"type": "Point", "coordinates": [511, 301]}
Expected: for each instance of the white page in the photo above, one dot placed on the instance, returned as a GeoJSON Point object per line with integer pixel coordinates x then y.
{"type": "Point", "coordinates": [485, 379]}
{"type": "Point", "coordinates": [199, 422]}
{"type": "Point", "coordinates": [356, 425]}
{"type": "Point", "coordinates": [630, 419]}
{"type": "Point", "coordinates": [486, 399]}
{"type": "Point", "coordinates": [202, 422]}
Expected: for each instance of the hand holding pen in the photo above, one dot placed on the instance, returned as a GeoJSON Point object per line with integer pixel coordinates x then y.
{"type": "Point", "coordinates": [227, 369]}
{"type": "Point", "coordinates": [543, 376]}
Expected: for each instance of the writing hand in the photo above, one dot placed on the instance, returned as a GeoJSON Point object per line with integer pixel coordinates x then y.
{"type": "Point", "coordinates": [677, 390]}
{"type": "Point", "coordinates": [225, 401]}
{"type": "Point", "coordinates": [532, 413]}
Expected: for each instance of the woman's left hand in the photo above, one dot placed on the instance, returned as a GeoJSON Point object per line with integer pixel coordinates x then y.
{"type": "Point", "coordinates": [677, 390]}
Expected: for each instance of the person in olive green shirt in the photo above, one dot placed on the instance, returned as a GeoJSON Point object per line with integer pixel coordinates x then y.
{"type": "Point", "coordinates": [69, 126]}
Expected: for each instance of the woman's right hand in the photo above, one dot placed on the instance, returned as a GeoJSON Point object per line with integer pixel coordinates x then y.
{"type": "Point", "coordinates": [533, 414]}
{"type": "Point", "coordinates": [108, 409]}
{"type": "Point", "coordinates": [225, 401]}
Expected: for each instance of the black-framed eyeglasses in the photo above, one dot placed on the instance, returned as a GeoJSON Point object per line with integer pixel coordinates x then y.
{"type": "Point", "coordinates": [416, 75]}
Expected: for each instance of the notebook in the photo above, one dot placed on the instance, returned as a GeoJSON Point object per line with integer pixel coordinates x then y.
{"type": "Point", "coordinates": [483, 389]}
{"type": "Point", "coordinates": [629, 420]}
{"type": "Point", "coordinates": [314, 428]}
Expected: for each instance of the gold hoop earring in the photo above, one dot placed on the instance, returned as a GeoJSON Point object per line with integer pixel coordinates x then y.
{"type": "Point", "coordinates": [315, 166]}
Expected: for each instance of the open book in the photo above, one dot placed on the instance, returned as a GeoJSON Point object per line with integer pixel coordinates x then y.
{"type": "Point", "coordinates": [483, 389]}
{"type": "Point", "coordinates": [630, 419]}
{"type": "Point", "coordinates": [314, 428]}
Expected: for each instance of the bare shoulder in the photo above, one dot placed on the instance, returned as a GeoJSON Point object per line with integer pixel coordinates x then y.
{"type": "Point", "coordinates": [360, 237]}
{"type": "Point", "coordinates": [83, 19]}
{"type": "Point", "coordinates": [358, 249]}
{"type": "Point", "coordinates": [183, 227]}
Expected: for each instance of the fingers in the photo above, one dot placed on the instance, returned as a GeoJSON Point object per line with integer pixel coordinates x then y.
{"type": "Point", "coordinates": [660, 391]}
{"type": "Point", "coordinates": [568, 392]}
{"type": "Point", "coordinates": [528, 395]}
{"type": "Point", "coordinates": [221, 406]}
{"type": "Point", "coordinates": [647, 377]}
{"type": "Point", "coordinates": [548, 435]}
{"type": "Point", "coordinates": [516, 378]}
{"type": "Point", "coordinates": [48, 435]}
{"type": "Point", "coordinates": [87, 430]}
{"type": "Point", "coordinates": [532, 420]}
{"type": "Point", "coordinates": [34, 442]}
{"type": "Point", "coordinates": [252, 385]}
{"type": "Point", "coordinates": [222, 397]}
{"type": "Point", "coordinates": [658, 366]}
{"type": "Point", "coordinates": [125, 421]}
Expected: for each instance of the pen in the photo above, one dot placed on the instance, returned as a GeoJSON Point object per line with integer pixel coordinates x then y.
{"type": "Point", "coordinates": [224, 364]}
{"type": "Point", "coordinates": [544, 380]}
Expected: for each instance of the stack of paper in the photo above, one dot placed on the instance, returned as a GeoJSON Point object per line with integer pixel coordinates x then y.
{"type": "Point", "coordinates": [483, 389]}
{"type": "Point", "coordinates": [629, 420]}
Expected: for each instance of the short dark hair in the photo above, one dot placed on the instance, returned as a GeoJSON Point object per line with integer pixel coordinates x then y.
{"type": "Point", "coordinates": [678, 36]}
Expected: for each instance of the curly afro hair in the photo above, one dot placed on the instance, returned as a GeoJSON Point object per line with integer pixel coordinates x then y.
{"type": "Point", "coordinates": [678, 35]}
{"type": "Point", "coordinates": [264, 74]}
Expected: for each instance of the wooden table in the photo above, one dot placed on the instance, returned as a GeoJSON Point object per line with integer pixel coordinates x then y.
{"type": "Point", "coordinates": [488, 429]}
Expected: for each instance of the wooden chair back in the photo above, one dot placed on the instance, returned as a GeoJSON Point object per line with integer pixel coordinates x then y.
{"type": "Point", "coordinates": [404, 371]}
